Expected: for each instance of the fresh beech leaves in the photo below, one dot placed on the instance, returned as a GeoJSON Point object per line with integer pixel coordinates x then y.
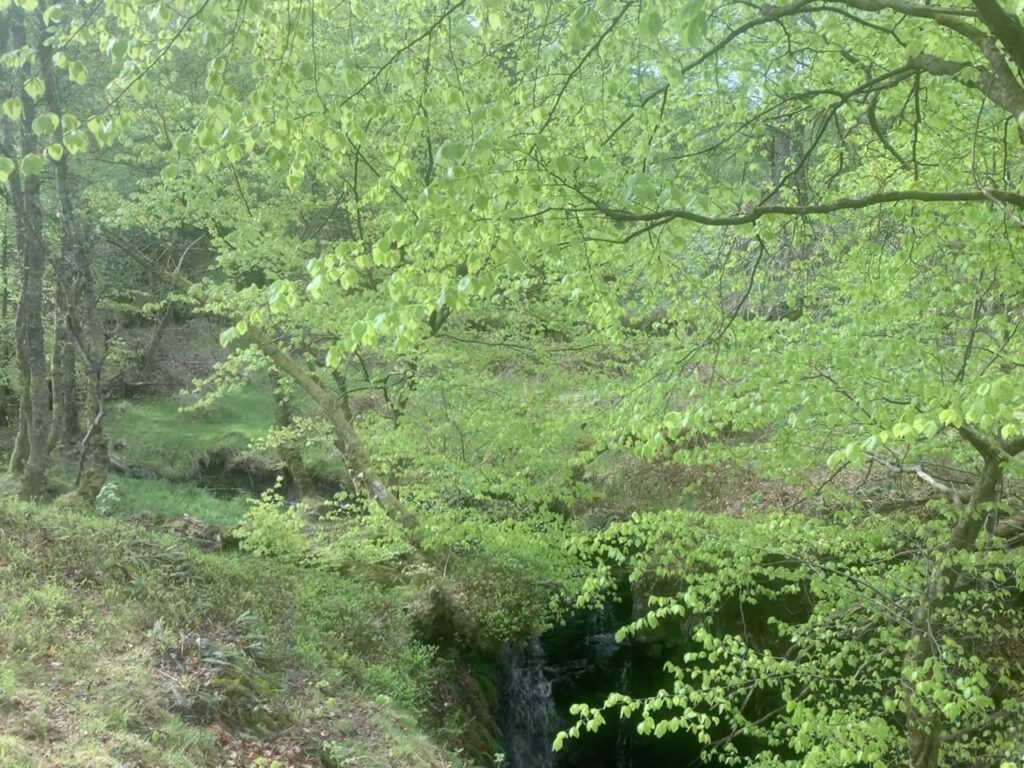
{"type": "Point", "coordinates": [32, 164]}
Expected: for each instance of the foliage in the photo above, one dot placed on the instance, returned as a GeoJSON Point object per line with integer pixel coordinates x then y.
{"type": "Point", "coordinates": [273, 528]}
{"type": "Point", "coordinates": [503, 578]}
{"type": "Point", "coordinates": [499, 578]}
{"type": "Point", "coordinates": [500, 246]}
{"type": "Point", "coordinates": [109, 499]}
{"type": "Point", "coordinates": [795, 636]}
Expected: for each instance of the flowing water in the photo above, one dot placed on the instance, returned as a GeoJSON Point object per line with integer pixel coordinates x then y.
{"type": "Point", "coordinates": [527, 719]}
{"type": "Point", "coordinates": [581, 662]}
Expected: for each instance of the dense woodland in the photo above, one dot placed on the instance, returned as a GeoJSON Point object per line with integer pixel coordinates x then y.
{"type": "Point", "coordinates": [354, 353]}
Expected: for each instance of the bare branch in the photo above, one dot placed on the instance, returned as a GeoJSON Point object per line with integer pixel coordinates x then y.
{"type": "Point", "coordinates": [999, 85]}
{"type": "Point", "coordinates": [1005, 26]}
{"type": "Point", "coordinates": [947, 490]}
{"type": "Point", "coordinates": [842, 204]}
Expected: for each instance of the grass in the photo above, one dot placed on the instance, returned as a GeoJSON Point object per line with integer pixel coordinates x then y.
{"type": "Point", "coordinates": [156, 435]}
{"type": "Point", "coordinates": [121, 646]}
{"type": "Point", "coordinates": [166, 499]}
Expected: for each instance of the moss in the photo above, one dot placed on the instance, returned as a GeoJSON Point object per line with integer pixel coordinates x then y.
{"type": "Point", "coordinates": [466, 692]}
{"type": "Point", "coordinates": [91, 483]}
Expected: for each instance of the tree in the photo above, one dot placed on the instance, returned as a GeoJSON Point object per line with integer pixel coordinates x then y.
{"type": "Point", "coordinates": [23, 165]}
{"type": "Point", "coordinates": [799, 224]}
{"type": "Point", "coordinates": [43, 77]}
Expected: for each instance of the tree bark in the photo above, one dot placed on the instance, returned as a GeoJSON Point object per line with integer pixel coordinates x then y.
{"type": "Point", "coordinates": [58, 391]}
{"type": "Point", "coordinates": [84, 320]}
{"type": "Point", "coordinates": [34, 418]}
{"type": "Point", "coordinates": [7, 393]}
{"type": "Point", "coordinates": [19, 451]}
{"type": "Point", "coordinates": [64, 429]}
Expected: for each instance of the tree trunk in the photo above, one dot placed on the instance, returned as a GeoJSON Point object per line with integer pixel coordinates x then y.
{"type": "Point", "coordinates": [31, 349]}
{"type": "Point", "coordinates": [84, 320]}
{"type": "Point", "coordinates": [58, 390]}
{"type": "Point", "coordinates": [924, 728]}
{"type": "Point", "coordinates": [7, 392]}
{"type": "Point", "coordinates": [94, 459]}
{"type": "Point", "coordinates": [71, 430]}
{"type": "Point", "coordinates": [64, 429]}
{"type": "Point", "coordinates": [289, 450]}
{"type": "Point", "coordinates": [19, 451]}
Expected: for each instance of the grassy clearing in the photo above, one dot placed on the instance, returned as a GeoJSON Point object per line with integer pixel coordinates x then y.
{"type": "Point", "coordinates": [156, 435]}
{"type": "Point", "coordinates": [124, 647]}
{"type": "Point", "coordinates": [161, 500]}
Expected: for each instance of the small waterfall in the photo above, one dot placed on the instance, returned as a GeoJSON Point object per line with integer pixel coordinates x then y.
{"type": "Point", "coordinates": [528, 719]}
{"type": "Point", "coordinates": [625, 730]}
{"type": "Point", "coordinates": [580, 661]}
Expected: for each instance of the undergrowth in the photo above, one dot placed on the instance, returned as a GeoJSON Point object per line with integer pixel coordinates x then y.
{"type": "Point", "coordinates": [121, 646]}
{"type": "Point", "coordinates": [166, 499]}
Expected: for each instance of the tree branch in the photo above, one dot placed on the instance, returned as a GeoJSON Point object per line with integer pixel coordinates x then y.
{"type": "Point", "coordinates": [917, 470]}
{"type": "Point", "coordinates": [999, 84]}
{"type": "Point", "coordinates": [1006, 28]}
{"type": "Point", "coordinates": [842, 204]}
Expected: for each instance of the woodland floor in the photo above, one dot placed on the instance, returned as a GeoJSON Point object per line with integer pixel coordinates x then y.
{"type": "Point", "coordinates": [124, 645]}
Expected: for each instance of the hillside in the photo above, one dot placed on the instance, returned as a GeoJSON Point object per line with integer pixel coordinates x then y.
{"type": "Point", "coordinates": [124, 645]}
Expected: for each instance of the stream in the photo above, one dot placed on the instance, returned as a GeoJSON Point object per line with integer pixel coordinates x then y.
{"type": "Point", "coordinates": [581, 663]}
{"type": "Point", "coordinates": [543, 676]}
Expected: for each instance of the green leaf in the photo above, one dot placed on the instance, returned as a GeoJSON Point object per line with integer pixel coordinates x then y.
{"type": "Point", "coordinates": [359, 330]}
{"type": "Point", "coordinates": [35, 87]}
{"type": "Point", "coordinates": [160, 14]}
{"type": "Point", "coordinates": [227, 336]}
{"type": "Point", "coordinates": [453, 151]}
{"type": "Point", "coordinates": [76, 141]}
{"type": "Point", "coordinates": [55, 151]}
{"type": "Point", "coordinates": [7, 167]}
{"type": "Point", "coordinates": [117, 48]}
{"type": "Point", "coordinates": [53, 15]}
{"type": "Point", "coordinates": [697, 31]}
{"type": "Point", "coordinates": [32, 164]}
{"type": "Point", "coordinates": [182, 142]}
{"type": "Point", "coordinates": [559, 741]}
{"type": "Point", "coordinates": [77, 73]}
{"type": "Point", "coordinates": [45, 124]}
{"type": "Point", "coordinates": [650, 25]}
{"type": "Point", "coordinates": [12, 108]}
